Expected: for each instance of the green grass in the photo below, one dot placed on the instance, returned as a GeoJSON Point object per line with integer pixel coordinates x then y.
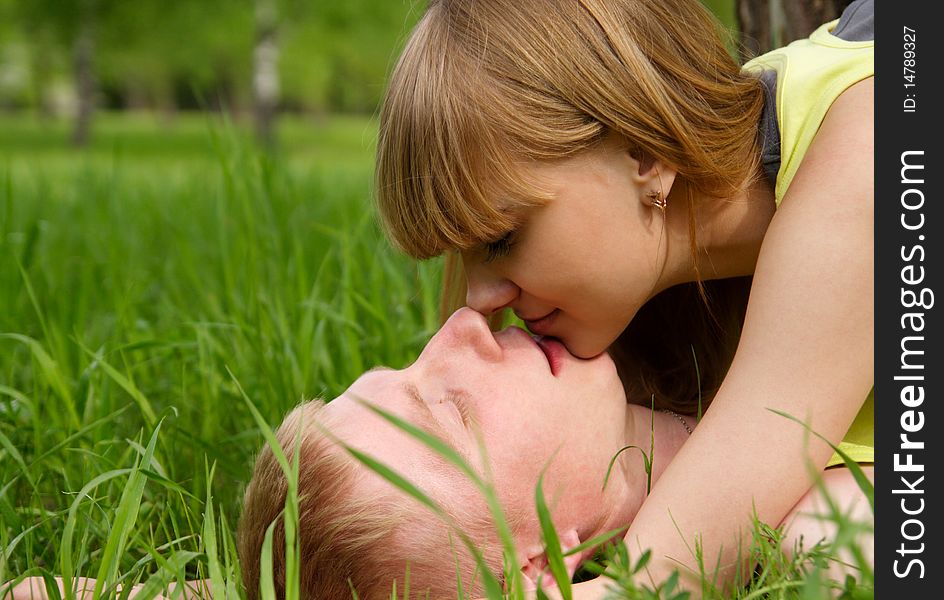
{"type": "Point", "coordinates": [131, 281]}
{"type": "Point", "coordinates": [149, 287]}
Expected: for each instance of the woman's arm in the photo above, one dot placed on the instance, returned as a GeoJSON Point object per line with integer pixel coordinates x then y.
{"type": "Point", "coordinates": [806, 350]}
{"type": "Point", "coordinates": [808, 522]}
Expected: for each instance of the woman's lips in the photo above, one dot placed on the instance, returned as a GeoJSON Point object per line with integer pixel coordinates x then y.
{"type": "Point", "coordinates": [542, 326]}
{"type": "Point", "coordinates": [554, 351]}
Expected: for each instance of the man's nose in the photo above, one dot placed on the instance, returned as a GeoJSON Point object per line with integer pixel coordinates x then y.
{"type": "Point", "coordinates": [468, 329]}
{"type": "Point", "coordinates": [487, 291]}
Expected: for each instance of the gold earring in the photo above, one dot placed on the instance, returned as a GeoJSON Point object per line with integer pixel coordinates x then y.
{"type": "Point", "coordinates": [658, 201]}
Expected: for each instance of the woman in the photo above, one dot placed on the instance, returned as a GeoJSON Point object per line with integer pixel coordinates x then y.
{"type": "Point", "coordinates": [601, 168]}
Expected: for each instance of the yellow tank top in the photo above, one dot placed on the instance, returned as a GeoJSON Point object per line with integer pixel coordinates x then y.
{"type": "Point", "coordinates": [811, 74]}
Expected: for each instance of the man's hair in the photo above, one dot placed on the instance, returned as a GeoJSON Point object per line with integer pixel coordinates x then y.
{"type": "Point", "coordinates": [349, 540]}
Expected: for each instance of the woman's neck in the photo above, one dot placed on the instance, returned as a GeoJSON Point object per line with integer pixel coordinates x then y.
{"type": "Point", "coordinates": [728, 233]}
{"type": "Point", "coordinates": [735, 229]}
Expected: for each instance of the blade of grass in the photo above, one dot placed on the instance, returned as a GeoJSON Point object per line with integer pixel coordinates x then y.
{"type": "Point", "coordinates": [552, 546]}
{"type": "Point", "coordinates": [51, 373]}
{"type": "Point", "coordinates": [266, 581]}
{"type": "Point", "coordinates": [156, 583]}
{"type": "Point", "coordinates": [432, 442]}
{"type": "Point", "coordinates": [52, 586]}
{"type": "Point", "coordinates": [28, 285]}
{"type": "Point", "coordinates": [264, 428]}
{"type": "Point", "coordinates": [697, 379]}
{"type": "Point", "coordinates": [290, 513]}
{"type": "Point", "coordinates": [125, 517]}
{"type": "Point", "coordinates": [209, 541]}
{"type": "Point", "coordinates": [8, 551]}
{"type": "Point", "coordinates": [290, 527]}
{"type": "Point", "coordinates": [488, 492]}
{"type": "Point", "coordinates": [595, 541]}
{"type": "Point", "coordinates": [857, 473]}
{"type": "Point", "coordinates": [144, 405]}
{"type": "Point", "coordinates": [7, 445]}
{"type": "Point", "coordinates": [67, 570]}
{"type": "Point", "coordinates": [646, 464]}
{"type": "Point", "coordinates": [492, 585]}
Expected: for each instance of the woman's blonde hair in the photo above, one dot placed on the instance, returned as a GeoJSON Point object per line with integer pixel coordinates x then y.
{"type": "Point", "coordinates": [484, 86]}
{"type": "Point", "coordinates": [349, 540]}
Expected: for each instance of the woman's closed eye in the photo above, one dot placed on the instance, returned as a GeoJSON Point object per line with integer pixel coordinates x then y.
{"type": "Point", "coordinates": [500, 247]}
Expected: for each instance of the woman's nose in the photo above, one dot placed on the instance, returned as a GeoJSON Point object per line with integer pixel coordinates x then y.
{"type": "Point", "coordinates": [487, 291]}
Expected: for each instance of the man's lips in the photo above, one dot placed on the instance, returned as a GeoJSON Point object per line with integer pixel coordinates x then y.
{"type": "Point", "coordinates": [554, 351]}
{"type": "Point", "coordinates": [542, 325]}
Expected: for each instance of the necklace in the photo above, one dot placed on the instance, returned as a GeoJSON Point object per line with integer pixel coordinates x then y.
{"type": "Point", "coordinates": [680, 419]}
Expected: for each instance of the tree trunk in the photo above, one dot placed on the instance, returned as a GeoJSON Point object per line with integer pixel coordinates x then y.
{"type": "Point", "coordinates": [41, 66]}
{"type": "Point", "coordinates": [265, 76]}
{"type": "Point", "coordinates": [83, 56]}
{"type": "Point", "coordinates": [769, 24]}
{"type": "Point", "coordinates": [804, 16]}
{"type": "Point", "coordinates": [754, 22]}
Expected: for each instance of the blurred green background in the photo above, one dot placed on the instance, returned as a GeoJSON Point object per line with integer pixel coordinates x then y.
{"type": "Point", "coordinates": [63, 62]}
{"type": "Point", "coordinates": [66, 60]}
{"type": "Point", "coordinates": [178, 55]}
{"type": "Point", "coordinates": [185, 228]}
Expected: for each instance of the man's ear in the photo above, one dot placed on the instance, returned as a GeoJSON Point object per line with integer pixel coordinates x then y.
{"type": "Point", "coordinates": [536, 567]}
{"type": "Point", "coordinates": [651, 173]}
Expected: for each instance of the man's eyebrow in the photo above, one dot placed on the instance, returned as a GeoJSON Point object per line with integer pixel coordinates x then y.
{"type": "Point", "coordinates": [425, 415]}
{"type": "Point", "coordinates": [429, 422]}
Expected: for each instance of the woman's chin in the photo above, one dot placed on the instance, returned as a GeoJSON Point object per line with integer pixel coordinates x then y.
{"type": "Point", "coordinates": [583, 346]}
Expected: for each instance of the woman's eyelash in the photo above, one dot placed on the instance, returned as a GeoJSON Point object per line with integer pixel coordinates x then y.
{"type": "Point", "coordinates": [500, 247]}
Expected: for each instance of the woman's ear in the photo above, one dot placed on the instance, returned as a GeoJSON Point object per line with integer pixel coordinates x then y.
{"type": "Point", "coordinates": [655, 177]}
{"type": "Point", "coordinates": [537, 569]}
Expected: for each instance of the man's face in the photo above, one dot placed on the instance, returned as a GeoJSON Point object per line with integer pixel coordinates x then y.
{"type": "Point", "coordinates": [533, 405]}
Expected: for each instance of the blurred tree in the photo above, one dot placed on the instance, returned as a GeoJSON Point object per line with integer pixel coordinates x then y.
{"type": "Point", "coordinates": [83, 56]}
{"type": "Point", "coordinates": [336, 55]}
{"type": "Point", "coordinates": [170, 55]}
{"type": "Point", "coordinates": [73, 25]}
{"type": "Point", "coordinates": [264, 55]}
{"type": "Point", "coordinates": [265, 71]}
{"type": "Point", "coordinates": [769, 24]}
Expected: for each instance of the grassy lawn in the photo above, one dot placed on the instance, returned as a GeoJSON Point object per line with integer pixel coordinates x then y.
{"type": "Point", "coordinates": [154, 142]}
{"type": "Point", "coordinates": [149, 281]}
{"type": "Point", "coordinates": [140, 281]}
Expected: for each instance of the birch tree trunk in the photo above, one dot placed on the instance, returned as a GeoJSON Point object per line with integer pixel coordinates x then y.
{"type": "Point", "coordinates": [41, 66]}
{"type": "Point", "coordinates": [265, 76]}
{"type": "Point", "coordinates": [83, 58]}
